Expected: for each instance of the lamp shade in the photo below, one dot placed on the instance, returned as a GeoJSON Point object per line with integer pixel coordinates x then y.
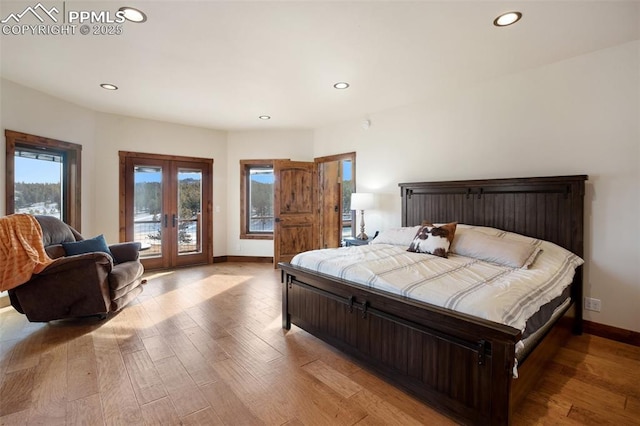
{"type": "Point", "coordinates": [362, 201]}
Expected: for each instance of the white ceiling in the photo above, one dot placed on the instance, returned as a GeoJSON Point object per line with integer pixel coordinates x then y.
{"type": "Point", "coordinates": [222, 64]}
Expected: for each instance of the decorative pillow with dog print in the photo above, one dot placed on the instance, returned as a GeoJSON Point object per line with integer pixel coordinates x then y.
{"type": "Point", "coordinates": [433, 240]}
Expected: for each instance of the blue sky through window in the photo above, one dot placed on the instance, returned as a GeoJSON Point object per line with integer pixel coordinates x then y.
{"type": "Point", "coordinates": [346, 167]}
{"type": "Point", "coordinates": [29, 170]}
{"type": "Point", "coordinates": [263, 177]}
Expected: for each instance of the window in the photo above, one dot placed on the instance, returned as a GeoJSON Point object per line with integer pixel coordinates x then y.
{"type": "Point", "coordinates": [41, 192]}
{"type": "Point", "coordinates": [256, 199]}
{"type": "Point", "coordinates": [43, 177]}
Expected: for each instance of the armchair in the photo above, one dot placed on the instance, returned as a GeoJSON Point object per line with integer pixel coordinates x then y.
{"type": "Point", "coordinates": [80, 285]}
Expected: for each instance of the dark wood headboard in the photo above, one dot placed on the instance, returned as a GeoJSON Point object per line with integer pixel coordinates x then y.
{"type": "Point", "coordinates": [548, 208]}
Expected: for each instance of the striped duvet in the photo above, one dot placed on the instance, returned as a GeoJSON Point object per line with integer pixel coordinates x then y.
{"type": "Point", "coordinates": [486, 290]}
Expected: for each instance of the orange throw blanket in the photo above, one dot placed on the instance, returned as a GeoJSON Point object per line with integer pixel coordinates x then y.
{"type": "Point", "coordinates": [21, 250]}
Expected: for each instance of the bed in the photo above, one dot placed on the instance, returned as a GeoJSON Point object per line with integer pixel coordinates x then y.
{"type": "Point", "coordinates": [460, 364]}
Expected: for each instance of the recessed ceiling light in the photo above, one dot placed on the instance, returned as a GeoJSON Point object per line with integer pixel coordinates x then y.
{"type": "Point", "coordinates": [341, 85]}
{"type": "Point", "coordinates": [265, 117]}
{"type": "Point", "coordinates": [109, 86]}
{"type": "Point", "coordinates": [133, 14]}
{"type": "Point", "coordinates": [507, 19]}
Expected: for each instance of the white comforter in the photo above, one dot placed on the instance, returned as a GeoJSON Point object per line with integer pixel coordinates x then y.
{"type": "Point", "coordinates": [504, 295]}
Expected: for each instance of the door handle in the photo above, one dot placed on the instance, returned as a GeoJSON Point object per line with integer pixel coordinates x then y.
{"type": "Point", "coordinates": [335, 209]}
{"type": "Point", "coordinates": [277, 219]}
{"type": "Point", "coordinates": [175, 220]}
{"type": "Point", "coordinates": [165, 221]}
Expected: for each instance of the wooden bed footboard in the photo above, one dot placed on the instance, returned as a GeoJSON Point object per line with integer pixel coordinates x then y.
{"type": "Point", "coordinates": [456, 363]}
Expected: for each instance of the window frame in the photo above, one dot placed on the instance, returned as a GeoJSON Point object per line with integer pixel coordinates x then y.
{"type": "Point", "coordinates": [71, 176]}
{"type": "Point", "coordinates": [245, 173]}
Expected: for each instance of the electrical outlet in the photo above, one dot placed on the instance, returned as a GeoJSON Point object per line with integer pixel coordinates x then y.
{"type": "Point", "coordinates": [591, 304]}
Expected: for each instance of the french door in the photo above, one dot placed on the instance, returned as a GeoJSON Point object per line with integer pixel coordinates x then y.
{"type": "Point", "coordinates": [166, 206]}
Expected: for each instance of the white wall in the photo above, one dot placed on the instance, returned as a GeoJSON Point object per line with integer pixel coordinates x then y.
{"type": "Point", "coordinates": [258, 145]}
{"type": "Point", "coordinates": [118, 133]}
{"type": "Point", "coordinates": [29, 111]}
{"type": "Point", "coordinates": [578, 116]}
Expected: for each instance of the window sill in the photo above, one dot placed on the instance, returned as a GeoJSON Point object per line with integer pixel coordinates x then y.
{"type": "Point", "coordinates": [256, 236]}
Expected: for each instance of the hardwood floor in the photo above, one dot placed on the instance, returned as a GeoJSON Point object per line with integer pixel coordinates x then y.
{"type": "Point", "coordinates": [204, 346]}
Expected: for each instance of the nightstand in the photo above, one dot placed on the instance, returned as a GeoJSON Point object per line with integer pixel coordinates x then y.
{"type": "Point", "coordinates": [352, 241]}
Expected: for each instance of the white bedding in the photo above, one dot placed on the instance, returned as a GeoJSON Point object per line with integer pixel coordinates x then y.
{"type": "Point", "coordinates": [501, 294]}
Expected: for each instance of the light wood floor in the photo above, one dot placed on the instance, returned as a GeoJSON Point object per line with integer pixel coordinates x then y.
{"type": "Point", "coordinates": [205, 346]}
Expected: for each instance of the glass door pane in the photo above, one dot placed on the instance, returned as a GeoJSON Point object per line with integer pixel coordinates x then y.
{"type": "Point", "coordinates": [347, 189]}
{"type": "Point", "coordinates": [147, 209]}
{"type": "Point", "coordinates": [189, 220]}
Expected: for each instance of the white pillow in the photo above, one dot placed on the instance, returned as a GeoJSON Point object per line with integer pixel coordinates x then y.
{"type": "Point", "coordinates": [490, 248]}
{"type": "Point", "coordinates": [397, 236]}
